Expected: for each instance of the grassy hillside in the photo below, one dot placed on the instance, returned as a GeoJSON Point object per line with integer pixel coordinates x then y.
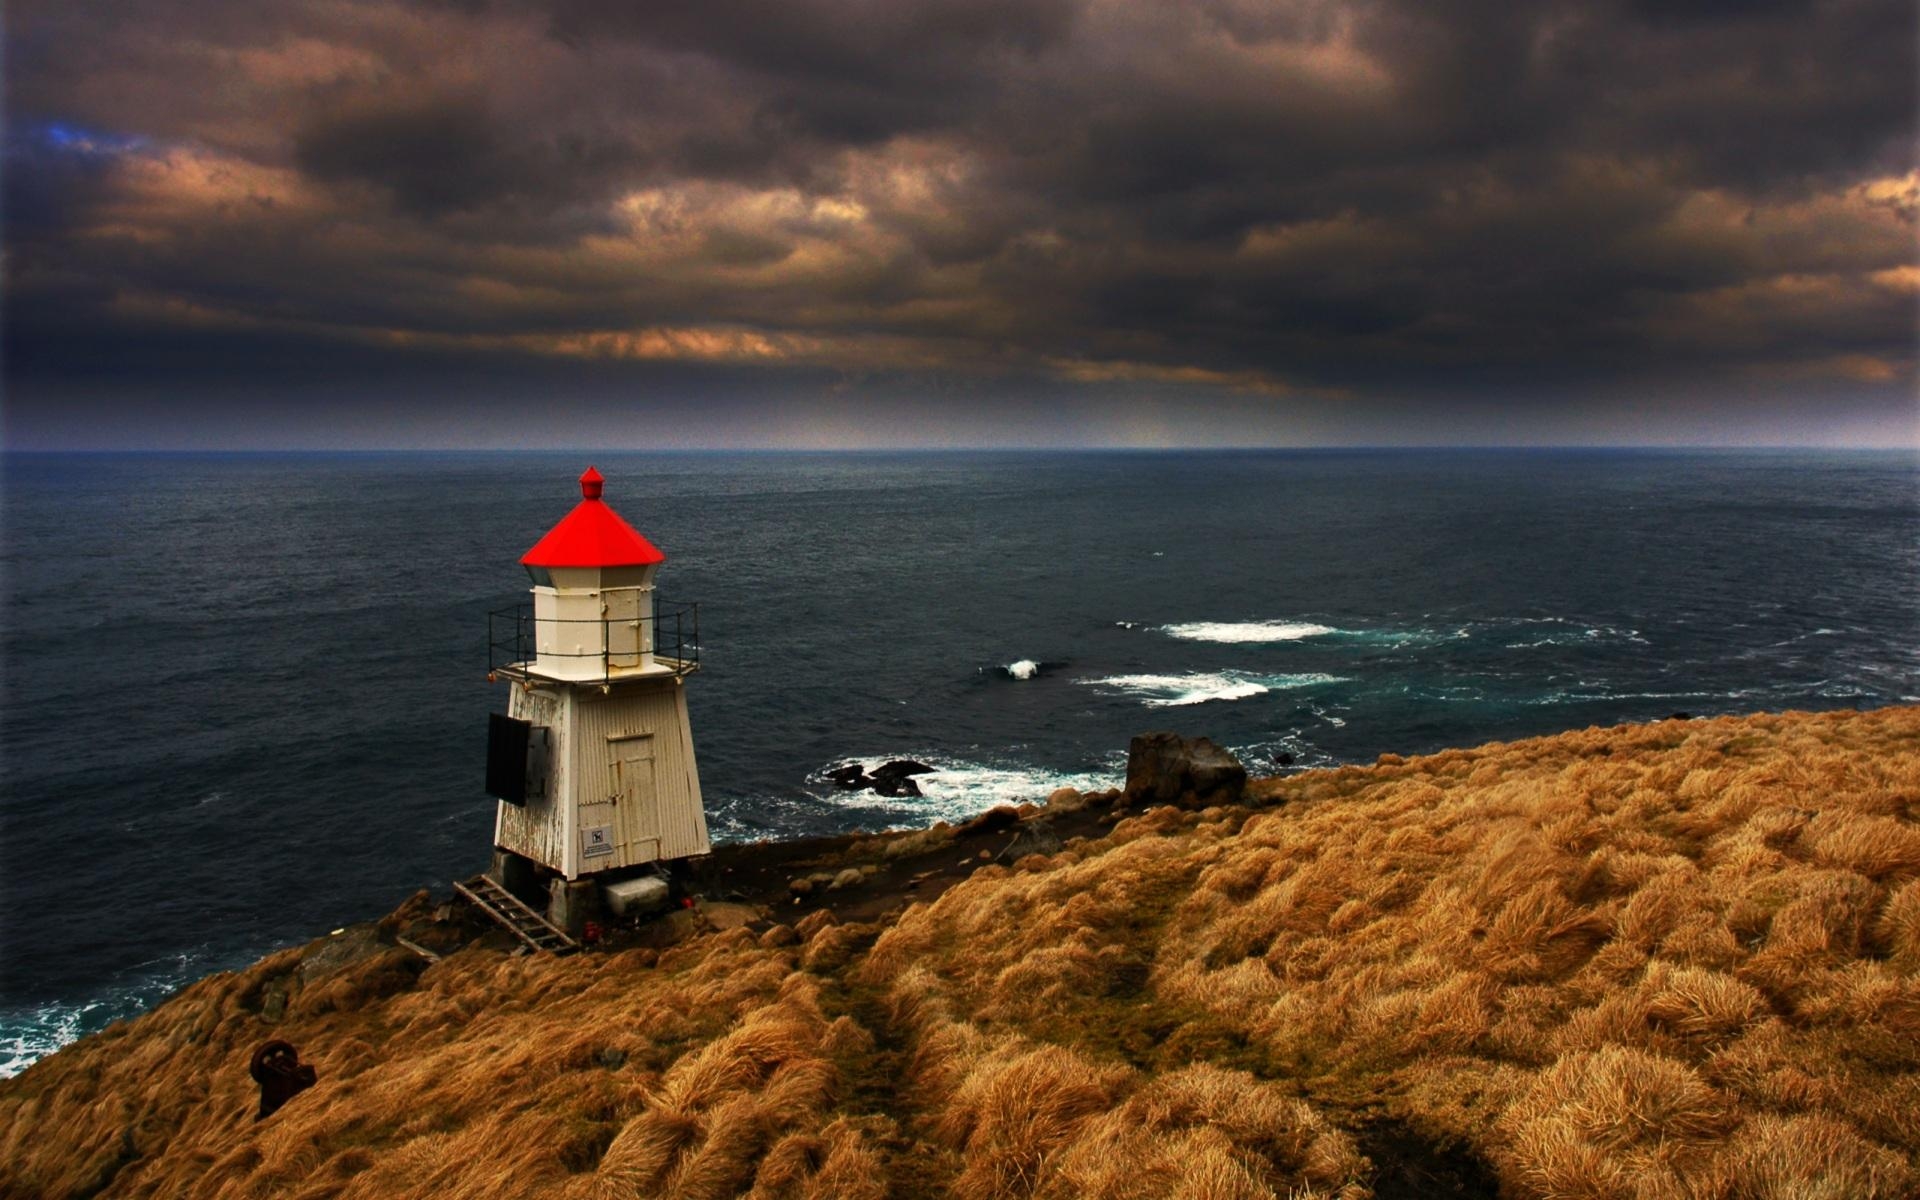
{"type": "Point", "coordinates": [1664, 960]}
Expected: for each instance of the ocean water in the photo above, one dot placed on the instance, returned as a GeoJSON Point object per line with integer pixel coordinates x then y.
{"type": "Point", "coordinates": [245, 696]}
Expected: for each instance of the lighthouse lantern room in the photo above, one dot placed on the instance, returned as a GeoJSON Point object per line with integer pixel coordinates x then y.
{"type": "Point", "coordinates": [593, 762]}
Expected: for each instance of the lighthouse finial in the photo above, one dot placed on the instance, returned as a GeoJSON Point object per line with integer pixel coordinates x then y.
{"type": "Point", "coordinates": [591, 483]}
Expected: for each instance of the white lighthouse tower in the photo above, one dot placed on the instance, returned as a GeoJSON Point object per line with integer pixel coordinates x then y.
{"type": "Point", "coordinates": [593, 762]}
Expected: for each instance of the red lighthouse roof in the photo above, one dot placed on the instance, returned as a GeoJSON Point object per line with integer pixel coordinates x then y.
{"type": "Point", "coordinates": [592, 535]}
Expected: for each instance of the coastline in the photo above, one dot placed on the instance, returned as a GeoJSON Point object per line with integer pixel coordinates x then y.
{"type": "Point", "coordinates": [1132, 943]}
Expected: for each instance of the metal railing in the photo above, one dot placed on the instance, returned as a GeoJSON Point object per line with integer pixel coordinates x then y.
{"type": "Point", "coordinates": [671, 636]}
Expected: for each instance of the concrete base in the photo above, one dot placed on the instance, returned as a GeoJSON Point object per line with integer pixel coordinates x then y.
{"type": "Point", "coordinates": [519, 875]}
{"type": "Point", "coordinates": [637, 897]}
{"type": "Point", "coordinates": [571, 902]}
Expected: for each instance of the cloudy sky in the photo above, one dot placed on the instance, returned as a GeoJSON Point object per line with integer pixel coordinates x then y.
{"type": "Point", "coordinates": [959, 222]}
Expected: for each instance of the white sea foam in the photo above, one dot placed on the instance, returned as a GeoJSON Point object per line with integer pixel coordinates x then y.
{"type": "Point", "coordinates": [1169, 691]}
{"type": "Point", "coordinates": [960, 788]}
{"type": "Point", "coordinates": [1166, 691]}
{"type": "Point", "coordinates": [1262, 758]}
{"type": "Point", "coordinates": [1329, 718]}
{"type": "Point", "coordinates": [1246, 631]}
{"type": "Point", "coordinates": [31, 1032]}
{"type": "Point", "coordinates": [963, 789]}
{"type": "Point", "coordinates": [1844, 691]}
{"type": "Point", "coordinates": [1026, 668]}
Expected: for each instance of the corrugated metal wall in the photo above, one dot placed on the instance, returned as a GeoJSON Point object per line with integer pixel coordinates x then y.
{"type": "Point", "coordinates": [538, 830]}
{"type": "Point", "coordinates": [655, 707]}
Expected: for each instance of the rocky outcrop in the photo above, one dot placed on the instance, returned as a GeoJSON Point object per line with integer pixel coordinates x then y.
{"type": "Point", "coordinates": [993, 820]}
{"type": "Point", "coordinates": [1165, 768]}
{"type": "Point", "coordinates": [893, 778]}
{"type": "Point", "coordinates": [896, 778]}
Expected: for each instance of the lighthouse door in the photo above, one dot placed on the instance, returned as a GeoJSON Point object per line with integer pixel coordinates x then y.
{"type": "Point", "coordinates": [636, 811]}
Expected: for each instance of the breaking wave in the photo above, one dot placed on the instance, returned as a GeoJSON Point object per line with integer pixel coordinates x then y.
{"type": "Point", "coordinates": [1516, 633]}
{"type": "Point", "coordinates": [1168, 691]}
{"type": "Point", "coordinates": [1233, 632]}
{"type": "Point", "coordinates": [1278, 631]}
{"type": "Point", "coordinates": [29, 1033]}
{"type": "Point", "coordinates": [1025, 668]}
{"type": "Point", "coordinates": [958, 788]}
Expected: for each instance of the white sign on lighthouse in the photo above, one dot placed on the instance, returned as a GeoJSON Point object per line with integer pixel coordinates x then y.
{"type": "Point", "coordinates": [593, 762]}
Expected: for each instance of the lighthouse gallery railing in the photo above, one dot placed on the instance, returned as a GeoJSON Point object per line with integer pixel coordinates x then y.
{"type": "Point", "coordinates": [673, 632]}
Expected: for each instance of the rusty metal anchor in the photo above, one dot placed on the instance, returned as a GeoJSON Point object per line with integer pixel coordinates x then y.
{"type": "Point", "coordinates": [280, 1074]}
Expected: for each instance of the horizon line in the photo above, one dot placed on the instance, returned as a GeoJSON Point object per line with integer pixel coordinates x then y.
{"type": "Point", "coordinates": [1088, 448]}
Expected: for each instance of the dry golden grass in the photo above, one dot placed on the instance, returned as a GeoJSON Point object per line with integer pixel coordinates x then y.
{"type": "Point", "coordinates": [1667, 960]}
{"type": "Point", "coordinates": [494, 1076]}
{"type": "Point", "coordinates": [1045, 1120]}
{"type": "Point", "coordinates": [1615, 962]}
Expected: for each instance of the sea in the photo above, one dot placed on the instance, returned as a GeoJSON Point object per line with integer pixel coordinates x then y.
{"type": "Point", "coordinates": [245, 695]}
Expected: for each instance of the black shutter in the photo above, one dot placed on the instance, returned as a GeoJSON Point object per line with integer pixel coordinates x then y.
{"type": "Point", "coordinates": [507, 757]}
{"type": "Point", "coordinates": [538, 765]}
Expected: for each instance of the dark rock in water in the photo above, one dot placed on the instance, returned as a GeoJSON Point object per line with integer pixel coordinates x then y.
{"type": "Point", "coordinates": [991, 821]}
{"type": "Point", "coordinates": [1165, 768]}
{"type": "Point", "coordinates": [894, 785]}
{"type": "Point", "coordinates": [1680, 716]}
{"type": "Point", "coordinates": [894, 778]}
{"type": "Point", "coordinates": [1283, 759]}
{"type": "Point", "coordinates": [851, 776]}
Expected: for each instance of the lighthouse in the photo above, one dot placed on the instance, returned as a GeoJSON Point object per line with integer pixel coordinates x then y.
{"type": "Point", "coordinates": [592, 762]}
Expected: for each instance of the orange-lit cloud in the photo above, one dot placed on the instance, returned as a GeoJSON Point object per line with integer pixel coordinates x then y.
{"type": "Point", "coordinates": [1083, 370]}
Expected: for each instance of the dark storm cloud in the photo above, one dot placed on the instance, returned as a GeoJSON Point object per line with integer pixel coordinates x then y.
{"type": "Point", "coordinates": [934, 46]}
{"type": "Point", "coordinates": [435, 155]}
{"type": "Point", "coordinates": [1383, 198]}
